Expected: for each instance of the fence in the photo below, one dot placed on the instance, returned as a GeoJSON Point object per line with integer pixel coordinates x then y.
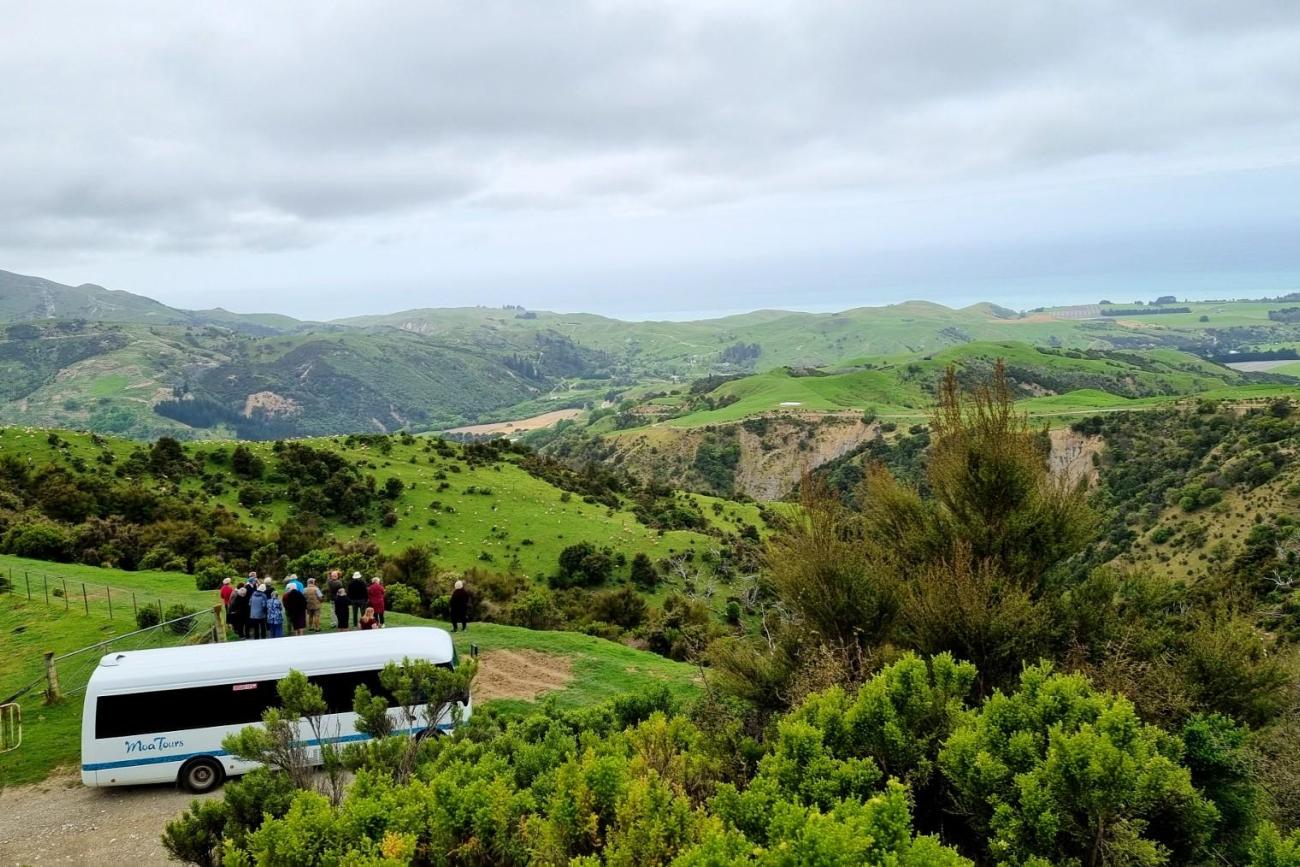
{"type": "Point", "coordinates": [68, 673]}
{"type": "Point", "coordinates": [89, 598]}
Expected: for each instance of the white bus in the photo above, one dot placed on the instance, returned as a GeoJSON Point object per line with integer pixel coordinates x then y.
{"type": "Point", "coordinates": [158, 716]}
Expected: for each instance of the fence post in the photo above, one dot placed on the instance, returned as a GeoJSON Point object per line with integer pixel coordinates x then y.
{"type": "Point", "coordinates": [218, 626]}
{"type": "Point", "coordinates": [85, 598]}
{"type": "Point", "coordinates": [135, 609]}
{"type": "Point", "coordinates": [29, 587]}
{"type": "Point", "coordinates": [51, 678]}
{"type": "Point", "coordinates": [110, 601]}
{"type": "Point", "coordinates": [67, 603]}
{"type": "Point", "coordinates": [46, 581]}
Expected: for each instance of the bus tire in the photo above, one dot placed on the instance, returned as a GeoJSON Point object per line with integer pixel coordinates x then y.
{"type": "Point", "coordinates": [201, 775]}
{"type": "Point", "coordinates": [430, 732]}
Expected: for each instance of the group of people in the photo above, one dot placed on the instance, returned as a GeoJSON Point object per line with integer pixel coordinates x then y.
{"type": "Point", "coordinates": [254, 608]}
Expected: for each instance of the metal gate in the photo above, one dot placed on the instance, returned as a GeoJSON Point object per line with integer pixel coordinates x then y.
{"type": "Point", "coordinates": [11, 727]}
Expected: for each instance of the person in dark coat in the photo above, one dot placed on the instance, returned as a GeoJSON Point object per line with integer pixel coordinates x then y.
{"type": "Point", "coordinates": [295, 608]}
{"type": "Point", "coordinates": [459, 607]}
{"type": "Point", "coordinates": [332, 590]}
{"type": "Point", "coordinates": [358, 597]}
{"type": "Point", "coordinates": [237, 613]}
{"type": "Point", "coordinates": [341, 606]}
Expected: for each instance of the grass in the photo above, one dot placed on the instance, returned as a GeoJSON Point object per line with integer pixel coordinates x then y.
{"type": "Point", "coordinates": [901, 386]}
{"type": "Point", "coordinates": [52, 733]}
{"type": "Point", "coordinates": [497, 516]}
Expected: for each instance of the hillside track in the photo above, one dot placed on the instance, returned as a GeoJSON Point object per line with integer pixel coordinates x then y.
{"type": "Point", "coordinates": [60, 821]}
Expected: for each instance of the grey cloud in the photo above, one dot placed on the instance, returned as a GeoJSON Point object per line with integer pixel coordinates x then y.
{"type": "Point", "coordinates": [268, 125]}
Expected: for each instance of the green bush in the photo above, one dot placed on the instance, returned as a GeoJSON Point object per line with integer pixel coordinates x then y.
{"type": "Point", "coordinates": [210, 572]}
{"type": "Point", "coordinates": [195, 837]}
{"type": "Point", "coordinates": [179, 618]}
{"type": "Point", "coordinates": [40, 541]}
{"type": "Point", "coordinates": [399, 597]}
{"type": "Point", "coordinates": [1061, 772]}
{"type": "Point", "coordinates": [147, 616]}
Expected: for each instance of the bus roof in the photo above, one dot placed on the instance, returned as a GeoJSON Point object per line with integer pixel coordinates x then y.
{"type": "Point", "coordinates": [267, 660]}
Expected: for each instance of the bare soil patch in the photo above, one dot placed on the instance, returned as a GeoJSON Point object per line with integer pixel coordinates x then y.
{"type": "Point", "coordinates": [521, 425]}
{"type": "Point", "coordinates": [522, 674]}
{"type": "Point", "coordinates": [61, 821]}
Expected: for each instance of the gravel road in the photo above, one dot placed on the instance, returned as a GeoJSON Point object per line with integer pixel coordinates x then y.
{"type": "Point", "coordinates": [61, 821]}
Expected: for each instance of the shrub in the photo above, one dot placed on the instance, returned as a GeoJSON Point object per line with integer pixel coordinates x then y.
{"type": "Point", "coordinates": [147, 616]}
{"type": "Point", "coordinates": [179, 618]}
{"type": "Point", "coordinates": [209, 573]}
{"type": "Point", "coordinates": [1060, 772]}
{"type": "Point", "coordinates": [644, 574]}
{"type": "Point", "coordinates": [40, 541]}
{"type": "Point", "coordinates": [399, 597]}
{"type": "Point", "coordinates": [583, 565]}
{"type": "Point", "coordinates": [195, 836]}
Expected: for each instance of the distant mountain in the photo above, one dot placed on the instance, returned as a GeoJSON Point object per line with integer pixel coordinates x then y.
{"type": "Point", "coordinates": [29, 299]}
{"type": "Point", "coordinates": [34, 299]}
{"type": "Point", "coordinates": [116, 362]}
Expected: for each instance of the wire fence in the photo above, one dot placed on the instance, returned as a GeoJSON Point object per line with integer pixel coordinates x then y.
{"type": "Point", "coordinates": [74, 668]}
{"type": "Point", "coordinates": [89, 598]}
{"type": "Point", "coordinates": [57, 676]}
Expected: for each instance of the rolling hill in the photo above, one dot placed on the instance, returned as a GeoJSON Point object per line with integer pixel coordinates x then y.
{"type": "Point", "coordinates": [120, 363]}
{"type": "Point", "coordinates": [771, 427]}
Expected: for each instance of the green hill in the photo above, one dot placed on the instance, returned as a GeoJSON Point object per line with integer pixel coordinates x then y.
{"type": "Point", "coordinates": [903, 386]}
{"type": "Point", "coordinates": [51, 736]}
{"type": "Point", "coordinates": [28, 299]}
{"type": "Point", "coordinates": [119, 363]}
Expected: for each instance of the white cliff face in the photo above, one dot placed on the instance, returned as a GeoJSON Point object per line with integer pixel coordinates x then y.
{"type": "Point", "coordinates": [1071, 455]}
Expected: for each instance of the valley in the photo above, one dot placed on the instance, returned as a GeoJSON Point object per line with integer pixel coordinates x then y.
{"type": "Point", "coordinates": [686, 542]}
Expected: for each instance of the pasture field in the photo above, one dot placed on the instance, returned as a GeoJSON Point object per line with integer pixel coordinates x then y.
{"type": "Point", "coordinates": [599, 668]}
{"type": "Point", "coordinates": [496, 516]}
{"type": "Point", "coordinates": [901, 387]}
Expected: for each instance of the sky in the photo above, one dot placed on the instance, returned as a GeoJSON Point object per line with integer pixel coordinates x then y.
{"type": "Point", "coordinates": [672, 158]}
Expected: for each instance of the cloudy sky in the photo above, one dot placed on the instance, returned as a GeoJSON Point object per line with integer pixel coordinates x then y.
{"type": "Point", "coordinates": [651, 158]}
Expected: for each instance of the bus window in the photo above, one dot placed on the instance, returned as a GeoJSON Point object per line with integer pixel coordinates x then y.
{"type": "Point", "coordinates": [195, 707]}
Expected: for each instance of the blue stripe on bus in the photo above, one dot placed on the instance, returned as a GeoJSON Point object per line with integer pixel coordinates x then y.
{"type": "Point", "coordinates": [162, 760]}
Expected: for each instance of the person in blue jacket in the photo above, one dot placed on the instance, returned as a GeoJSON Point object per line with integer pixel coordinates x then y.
{"type": "Point", "coordinates": [274, 613]}
{"type": "Point", "coordinates": [257, 612]}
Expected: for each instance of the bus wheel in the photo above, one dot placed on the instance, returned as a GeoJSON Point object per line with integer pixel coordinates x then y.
{"type": "Point", "coordinates": [430, 732]}
{"type": "Point", "coordinates": [201, 775]}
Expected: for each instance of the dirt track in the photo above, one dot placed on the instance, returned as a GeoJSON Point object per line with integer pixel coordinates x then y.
{"type": "Point", "coordinates": [60, 821]}
{"type": "Point", "coordinates": [520, 674]}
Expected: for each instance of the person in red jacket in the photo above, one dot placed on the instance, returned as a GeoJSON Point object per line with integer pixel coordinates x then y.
{"type": "Point", "coordinates": [376, 594]}
{"type": "Point", "coordinates": [226, 590]}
